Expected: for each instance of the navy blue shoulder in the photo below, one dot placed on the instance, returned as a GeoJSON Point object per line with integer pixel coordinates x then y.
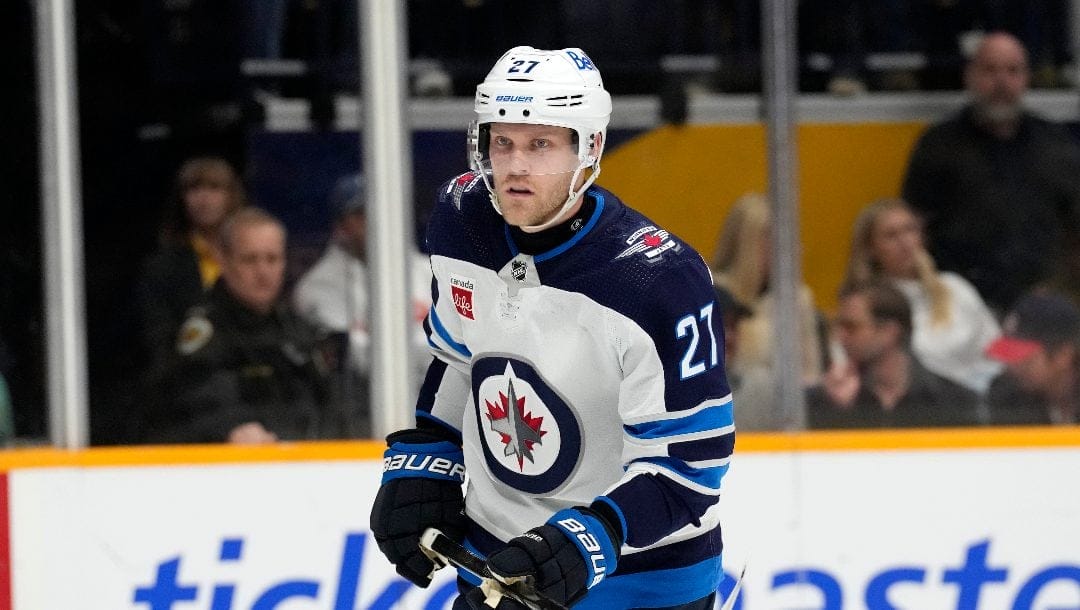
{"type": "Point", "coordinates": [465, 226]}
{"type": "Point", "coordinates": [628, 262]}
{"type": "Point", "coordinates": [631, 265]}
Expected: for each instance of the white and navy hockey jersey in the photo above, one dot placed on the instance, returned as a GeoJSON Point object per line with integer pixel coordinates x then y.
{"type": "Point", "coordinates": [595, 368]}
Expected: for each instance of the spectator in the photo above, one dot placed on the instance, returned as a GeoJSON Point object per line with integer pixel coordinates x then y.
{"type": "Point", "coordinates": [246, 369]}
{"type": "Point", "coordinates": [882, 384]}
{"type": "Point", "coordinates": [333, 296]}
{"type": "Point", "coordinates": [741, 267]}
{"type": "Point", "coordinates": [176, 277]}
{"type": "Point", "coordinates": [951, 324]}
{"type": "Point", "coordinates": [1041, 352]}
{"type": "Point", "coordinates": [752, 386]}
{"type": "Point", "coordinates": [997, 185]}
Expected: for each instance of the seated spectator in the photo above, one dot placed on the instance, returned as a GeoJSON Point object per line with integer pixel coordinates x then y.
{"type": "Point", "coordinates": [752, 387]}
{"type": "Point", "coordinates": [246, 370]}
{"type": "Point", "coordinates": [334, 296]}
{"type": "Point", "coordinates": [998, 186]}
{"type": "Point", "coordinates": [882, 384]}
{"type": "Point", "coordinates": [1041, 352]}
{"type": "Point", "coordinates": [741, 267]}
{"type": "Point", "coordinates": [176, 277]}
{"type": "Point", "coordinates": [952, 324]}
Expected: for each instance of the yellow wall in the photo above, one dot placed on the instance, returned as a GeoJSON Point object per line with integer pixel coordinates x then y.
{"type": "Point", "coordinates": [685, 178]}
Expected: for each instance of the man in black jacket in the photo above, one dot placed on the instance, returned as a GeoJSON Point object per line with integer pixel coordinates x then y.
{"type": "Point", "coordinates": [247, 370]}
{"type": "Point", "coordinates": [998, 186]}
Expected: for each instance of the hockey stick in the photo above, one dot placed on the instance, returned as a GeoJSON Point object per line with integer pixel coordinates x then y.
{"type": "Point", "coordinates": [444, 551]}
{"type": "Point", "coordinates": [729, 603]}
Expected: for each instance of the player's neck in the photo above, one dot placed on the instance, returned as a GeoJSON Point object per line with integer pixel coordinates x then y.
{"type": "Point", "coordinates": [542, 241]}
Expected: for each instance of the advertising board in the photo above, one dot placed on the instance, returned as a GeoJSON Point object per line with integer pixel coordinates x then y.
{"type": "Point", "coordinates": [914, 529]}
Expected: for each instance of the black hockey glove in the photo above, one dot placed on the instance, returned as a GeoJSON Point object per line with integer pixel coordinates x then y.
{"type": "Point", "coordinates": [421, 488]}
{"type": "Point", "coordinates": [563, 558]}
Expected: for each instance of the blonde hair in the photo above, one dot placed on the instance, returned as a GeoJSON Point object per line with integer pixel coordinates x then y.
{"type": "Point", "coordinates": [741, 266]}
{"type": "Point", "coordinates": [862, 267]}
{"type": "Point", "coordinates": [738, 264]}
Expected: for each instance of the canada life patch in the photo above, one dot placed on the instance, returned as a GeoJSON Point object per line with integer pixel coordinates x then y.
{"type": "Point", "coordinates": [650, 242]}
{"type": "Point", "coordinates": [461, 289]}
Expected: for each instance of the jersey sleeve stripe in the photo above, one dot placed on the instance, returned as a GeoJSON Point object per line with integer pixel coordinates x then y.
{"type": "Point", "coordinates": [710, 463]}
{"type": "Point", "coordinates": [719, 419]}
{"type": "Point", "coordinates": [444, 335]}
{"type": "Point", "coordinates": [702, 406]}
{"type": "Point", "coordinates": [703, 449]}
{"type": "Point", "coordinates": [701, 480]}
{"type": "Point", "coordinates": [709, 445]}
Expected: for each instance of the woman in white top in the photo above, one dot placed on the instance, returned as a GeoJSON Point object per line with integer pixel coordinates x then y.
{"type": "Point", "coordinates": [952, 325]}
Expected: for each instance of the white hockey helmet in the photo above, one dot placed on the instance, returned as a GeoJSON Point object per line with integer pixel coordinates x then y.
{"type": "Point", "coordinates": [561, 88]}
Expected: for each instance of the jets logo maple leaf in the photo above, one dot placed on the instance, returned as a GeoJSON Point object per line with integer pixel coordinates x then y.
{"type": "Point", "coordinates": [517, 428]}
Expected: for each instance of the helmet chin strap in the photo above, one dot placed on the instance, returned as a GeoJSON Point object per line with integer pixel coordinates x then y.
{"type": "Point", "coordinates": [572, 196]}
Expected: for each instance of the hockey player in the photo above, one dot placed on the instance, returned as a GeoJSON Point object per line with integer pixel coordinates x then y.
{"type": "Point", "coordinates": [579, 373]}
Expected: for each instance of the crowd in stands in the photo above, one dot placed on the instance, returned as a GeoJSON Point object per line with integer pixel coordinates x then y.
{"type": "Point", "coordinates": [959, 305]}
{"type": "Point", "coordinates": [234, 355]}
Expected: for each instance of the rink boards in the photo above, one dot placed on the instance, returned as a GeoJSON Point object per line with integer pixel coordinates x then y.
{"type": "Point", "coordinates": [915, 520]}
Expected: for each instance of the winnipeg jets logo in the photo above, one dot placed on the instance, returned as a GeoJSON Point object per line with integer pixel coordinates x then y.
{"type": "Point", "coordinates": [649, 241]}
{"type": "Point", "coordinates": [523, 425]}
{"type": "Point", "coordinates": [520, 431]}
{"type": "Point", "coordinates": [529, 435]}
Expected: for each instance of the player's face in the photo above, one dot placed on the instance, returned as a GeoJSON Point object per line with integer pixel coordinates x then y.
{"type": "Point", "coordinates": [895, 242]}
{"type": "Point", "coordinates": [532, 166]}
{"type": "Point", "coordinates": [206, 205]}
{"type": "Point", "coordinates": [254, 265]}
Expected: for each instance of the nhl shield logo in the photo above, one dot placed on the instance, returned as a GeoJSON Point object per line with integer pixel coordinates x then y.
{"type": "Point", "coordinates": [518, 270]}
{"type": "Point", "coordinates": [529, 435]}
